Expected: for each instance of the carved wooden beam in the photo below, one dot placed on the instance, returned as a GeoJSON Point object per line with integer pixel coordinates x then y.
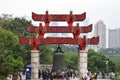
{"type": "Point", "coordinates": [82, 42]}
{"type": "Point", "coordinates": [58, 17]}
{"type": "Point", "coordinates": [60, 29]}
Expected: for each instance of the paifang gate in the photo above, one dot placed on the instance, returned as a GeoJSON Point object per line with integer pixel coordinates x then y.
{"type": "Point", "coordinates": [82, 42]}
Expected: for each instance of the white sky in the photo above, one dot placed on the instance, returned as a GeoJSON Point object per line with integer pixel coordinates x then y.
{"type": "Point", "coordinates": [106, 10]}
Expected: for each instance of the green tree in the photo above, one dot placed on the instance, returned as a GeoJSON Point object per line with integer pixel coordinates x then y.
{"type": "Point", "coordinates": [97, 62]}
{"type": "Point", "coordinates": [71, 60]}
{"type": "Point", "coordinates": [16, 25]}
{"type": "Point", "coordinates": [11, 53]}
{"type": "Point", "coordinates": [46, 54]}
{"type": "Point", "coordinates": [116, 60]}
{"type": "Point", "coordinates": [5, 20]}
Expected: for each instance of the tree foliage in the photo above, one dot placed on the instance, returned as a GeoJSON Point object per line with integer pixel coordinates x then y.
{"type": "Point", "coordinates": [114, 54]}
{"type": "Point", "coordinates": [16, 25]}
{"type": "Point", "coordinates": [116, 60]}
{"type": "Point", "coordinates": [71, 60]}
{"type": "Point", "coordinates": [98, 62]}
{"type": "Point", "coordinates": [11, 53]}
{"type": "Point", "coordinates": [46, 54]}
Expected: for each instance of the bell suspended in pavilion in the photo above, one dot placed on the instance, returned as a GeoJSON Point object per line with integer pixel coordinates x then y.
{"type": "Point", "coordinates": [58, 60]}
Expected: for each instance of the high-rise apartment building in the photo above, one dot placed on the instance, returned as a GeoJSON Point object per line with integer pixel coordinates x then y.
{"type": "Point", "coordinates": [114, 38]}
{"type": "Point", "coordinates": [100, 30]}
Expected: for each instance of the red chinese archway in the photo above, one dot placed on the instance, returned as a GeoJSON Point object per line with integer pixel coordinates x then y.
{"type": "Point", "coordinates": [75, 30]}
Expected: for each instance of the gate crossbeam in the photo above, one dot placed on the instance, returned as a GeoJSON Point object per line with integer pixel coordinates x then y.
{"type": "Point", "coordinates": [74, 41]}
{"type": "Point", "coordinates": [59, 29]}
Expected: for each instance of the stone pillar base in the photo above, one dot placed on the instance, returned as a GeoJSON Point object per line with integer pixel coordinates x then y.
{"type": "Point", "coordinates": [82, 63]}
{"type": "Point", "coordinates": [35, 64]}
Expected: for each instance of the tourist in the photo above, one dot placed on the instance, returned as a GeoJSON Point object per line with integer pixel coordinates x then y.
{"type": "Point", "coordinates": [112, 75]}
{"type": "Point", "coordinates": [103, 74]}
{"type": "Point", "coordinates": [86, 77]}
{"type": "Point", "coordinates": [63, 75]}
{"type": "Point", "coordinates": [95, 76]}
{"type": "Point", "coordinates": [69, 74]}
{"type": "Point", "coordinates": [8, 77]}
{"type": "Point", "coordinates": [39, 74]}
{"type": "Point", "coordinates": [44, 75]}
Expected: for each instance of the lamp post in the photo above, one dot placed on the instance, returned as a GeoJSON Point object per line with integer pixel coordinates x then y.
{"type": "Point", "coordinates": [106, 67]}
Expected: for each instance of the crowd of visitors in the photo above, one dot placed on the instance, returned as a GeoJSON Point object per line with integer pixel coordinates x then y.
{"type": "Point", "coordinates": [71, 74]}
{"type": "Point", "coordinates": [51, 75]}
{"type": "Point", "coordinates": [90, 76]}
{"type": "Point", "coordinates": [10, 77]}
{"type": "Point", "coordinates": [68, 74]}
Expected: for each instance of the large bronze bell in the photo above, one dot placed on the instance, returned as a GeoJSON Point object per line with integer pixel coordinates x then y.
{"type": "Point", "coordinates": [58, 60]}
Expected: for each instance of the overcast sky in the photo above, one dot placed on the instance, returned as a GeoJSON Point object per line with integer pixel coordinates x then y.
{"type": "Point", "coordinates": [106, 10]}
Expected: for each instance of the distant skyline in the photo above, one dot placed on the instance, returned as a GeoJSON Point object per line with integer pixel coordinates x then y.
{"type": "Point", "coordinates": [114, 38]}
{"type": "Point", "coordinates": [105, 10]}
